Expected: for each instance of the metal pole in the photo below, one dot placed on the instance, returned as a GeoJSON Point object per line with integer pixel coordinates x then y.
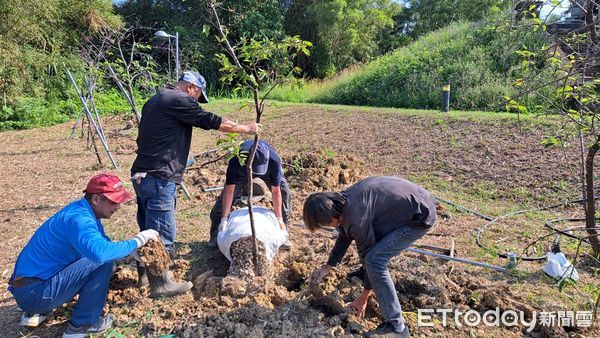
{"type": "Point", "coordinates": [446, 98]}
{"type": "Point", "coordinates": [92, 121]}
{"type": "Point", "coordinates": [185, 191]}
{"type": "Point", "coordinates": [213, 189]}
{"type": "Point", "coordinates": [460, 260]}
{"type": "Point", "coordinates": [90, 87]}
{"type": "Point", "coordinates": [176, 56]}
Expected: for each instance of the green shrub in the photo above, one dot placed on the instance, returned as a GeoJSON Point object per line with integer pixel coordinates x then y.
{"type": "Point", "coordinates": [111, 102]}
{"type": "Point", "coordinates": [29, 112]}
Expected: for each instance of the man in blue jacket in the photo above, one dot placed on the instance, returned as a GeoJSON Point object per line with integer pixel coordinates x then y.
{"type": "Point", "coordinates": [70, 255]}
{"type": "Point", "coordinates": [384, 215]}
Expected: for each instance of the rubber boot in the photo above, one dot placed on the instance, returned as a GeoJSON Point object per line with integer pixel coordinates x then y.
{"type": "Point", "coordinates": [214, 232]}
{"type": "Point", "coordinates": [142, 275]}
{"type": "Point", "coordinates": [165, 286]}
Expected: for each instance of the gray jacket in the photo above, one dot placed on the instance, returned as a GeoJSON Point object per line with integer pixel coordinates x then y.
{"type": "Point", "coordinates": [377, 206]}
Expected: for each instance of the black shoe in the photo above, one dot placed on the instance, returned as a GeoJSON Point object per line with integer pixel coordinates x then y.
{"type": "Point", "coordinates": [287, 246]}
{"type": "Point", "coordinates": [214, 232]}
{"type": "Point", "coordinates": [212, 242]}
{"type": "Point", "coordinates": [358, 273]}
{"type": "Point", "coordinates": [387, 330]}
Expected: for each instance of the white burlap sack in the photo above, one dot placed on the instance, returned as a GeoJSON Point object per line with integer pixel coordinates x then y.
{"type": "Point", "coordinates": [266, 226]}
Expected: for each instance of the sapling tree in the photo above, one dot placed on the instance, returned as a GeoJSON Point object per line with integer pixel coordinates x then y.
{"type": "Point", "coordinates": [256, 66]}
{"type": "Point", "coordinates": [572, 59]}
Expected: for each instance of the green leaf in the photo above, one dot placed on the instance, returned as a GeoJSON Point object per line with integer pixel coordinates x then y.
{"type": "Point", "coordinates": [550, 141]}
{"type": "Point", "coordinates": [205, 29]}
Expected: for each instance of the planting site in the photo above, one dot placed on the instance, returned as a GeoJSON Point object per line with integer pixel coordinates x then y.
{"type": "Point", "coordinates": [490, 164]}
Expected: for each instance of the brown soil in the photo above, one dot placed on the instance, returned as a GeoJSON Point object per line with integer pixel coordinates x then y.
{"type": "Point", "coordinates": [495, 162]}
{"type": "Point", "coordinates": [242, 255]}
{"type": "Point", "coordinates": [155, 257]}
{"type": "Point", "coordinates": [308, 173]}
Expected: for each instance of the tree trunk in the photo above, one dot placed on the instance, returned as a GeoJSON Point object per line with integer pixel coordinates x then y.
{"type": "Point", "coordinates": [250, 193]}
{"type": "Point", "coordinates": [590, 210]}
{"type": "Point", "coordinates": [250, 185]}
{"type": "Point", "coordinates": [589, 20]}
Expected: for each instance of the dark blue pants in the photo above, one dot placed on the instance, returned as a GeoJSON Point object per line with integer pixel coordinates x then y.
{"type": "Point", "coordinates": [84, 277]}
{"type": "Point", "coordinates": [156, 201]}
{"type": "Point", "coordinates": [240, 189]}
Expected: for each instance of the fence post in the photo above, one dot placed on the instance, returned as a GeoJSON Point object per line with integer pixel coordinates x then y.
{"type": "Point", "coordinates": [446, 98]}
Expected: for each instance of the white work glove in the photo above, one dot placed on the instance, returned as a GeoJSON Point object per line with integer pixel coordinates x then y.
{"type": "Point", "coordinates": [143, 237]}
{"type": "Point", "coordinates": [137, 177]}
{"type": "Point", "coordinates": [281, 223]}
{"type": "Point", "coordinates": [223, 224]}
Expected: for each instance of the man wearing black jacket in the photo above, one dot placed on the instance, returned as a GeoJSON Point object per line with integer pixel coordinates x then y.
{"type": "Point", "coordinates": [163, 142]}
{"type": "Point", "coordinates": [384, 215]}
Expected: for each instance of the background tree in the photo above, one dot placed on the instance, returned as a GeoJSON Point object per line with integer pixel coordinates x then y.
{"type": "Point", "coordinates": [423, 16]}
{"type": "Point", "coordinates": [343, 32]}
{"type": "Point", "coordinates": [38, 37]}
{"type": "Point", "coordinates": [572, 57]}
{"type": "Point", "coordinates": [243, 18]}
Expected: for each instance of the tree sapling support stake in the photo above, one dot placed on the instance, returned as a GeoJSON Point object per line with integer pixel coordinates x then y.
{"type": "Point", "coordinates": [91, 119]}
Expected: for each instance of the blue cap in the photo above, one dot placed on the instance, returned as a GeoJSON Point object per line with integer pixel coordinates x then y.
{"type": "Point", "coordinates": [260, 165]}
{"type": "Point", "coordinates": [198, 80]}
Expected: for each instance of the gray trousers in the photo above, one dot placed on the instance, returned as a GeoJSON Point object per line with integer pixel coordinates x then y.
{"type": "Point", "coordinates": [376, 264]}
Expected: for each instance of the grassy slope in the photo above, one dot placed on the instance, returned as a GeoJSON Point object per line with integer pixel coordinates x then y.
{"type": "Point", "coordinates": [474, 59]}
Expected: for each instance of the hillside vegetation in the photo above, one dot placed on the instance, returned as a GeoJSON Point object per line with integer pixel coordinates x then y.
{"type": "Point", "coordinates": [478, 60]}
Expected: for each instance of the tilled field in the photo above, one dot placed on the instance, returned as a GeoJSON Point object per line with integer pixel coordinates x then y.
{"type": "Point", "coordinates": [44, 170]}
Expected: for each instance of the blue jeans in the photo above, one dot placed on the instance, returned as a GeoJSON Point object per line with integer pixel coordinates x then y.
{"type": "Point", "coordinates": [84, 277]}
{"type": "Point", "coordinates": [376, 262]}
{"type": "Point", "coordinates": [156, 201]}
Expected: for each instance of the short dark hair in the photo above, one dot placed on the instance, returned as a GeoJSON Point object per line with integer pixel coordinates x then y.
{"type": "Point", "coordinates": [88, 196]}
{"type": "Point", "coordinates": [321, 207]}
{"type": "Point", "coordinates": [184, 84]}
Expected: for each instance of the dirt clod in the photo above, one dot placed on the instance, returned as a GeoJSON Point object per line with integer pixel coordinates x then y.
{"type": "Point", "coordinates": [155, 257]}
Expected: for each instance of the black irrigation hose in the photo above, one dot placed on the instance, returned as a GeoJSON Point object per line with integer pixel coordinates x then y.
{"type": "Point", "coordinates": [564, 232]}
{"type": "Point", "coordinates": [492, 220]}
{"type": "Point", "coordinates": [460, 207]}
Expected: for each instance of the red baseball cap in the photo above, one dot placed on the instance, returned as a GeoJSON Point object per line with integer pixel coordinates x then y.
{"type": "Point", "coordinates": [110, 186]}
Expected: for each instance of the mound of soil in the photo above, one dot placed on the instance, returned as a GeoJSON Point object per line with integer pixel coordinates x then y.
{"type": "Point", "coordinates": [155, 257]}
{"type": "Point", "coordinates": [319, 171]}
